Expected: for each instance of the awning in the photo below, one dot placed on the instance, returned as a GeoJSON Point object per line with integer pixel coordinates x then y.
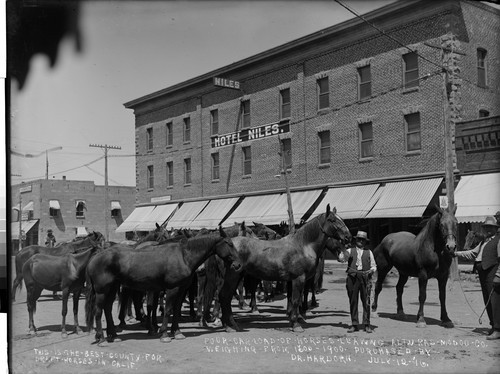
{"type": "Point", "coordinates": [212, 215]}
{"type": "Point", "coordinates": [158, 216]}
{"type": "Point", "coordinates": [477, 196]}
{"type": "Point", "coordinates": [135, 218]}
{"type": "Point", "coordinates": [186, 214]}
{"type": "Point", "coordinates": [54, 204]}
{"type": "Point", "coordinates": [252, 208]}
{"type": "Point", "coordinates": [115, 205]}
{"type": "Point", "coordinates": [28, 206]}
{"type": "Point", "coordinates": [81, 232]}
{"type": "Point", "coordinates": [352, 202]}
{"type": "Point", "coordinates": [405, 199]}
{"type": "Point", "coordinates": [278, 212]}
{"type": "Point", "coordinates": [78, 202]}
{"type": "Point", "coordinates": [26, 226]}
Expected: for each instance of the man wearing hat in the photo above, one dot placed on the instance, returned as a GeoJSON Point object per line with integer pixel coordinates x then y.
{"type": "Point", "coordinates": [360, 267]}
{"type": "Point", "coordinates": [50, 240]}
{"type": "Point", "coordinates": [487, 255]}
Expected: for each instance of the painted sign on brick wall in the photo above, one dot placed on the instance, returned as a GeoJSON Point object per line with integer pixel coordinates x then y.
{"type": "Point", "coordinates": [250, 134]}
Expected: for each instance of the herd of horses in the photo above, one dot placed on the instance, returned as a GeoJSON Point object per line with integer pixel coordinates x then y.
{"type": "Point", "coordinates": [164, 267]}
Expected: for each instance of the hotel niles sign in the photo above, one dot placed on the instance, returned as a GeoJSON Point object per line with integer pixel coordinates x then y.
{"type": "Point", "coordinates": [252, 133]}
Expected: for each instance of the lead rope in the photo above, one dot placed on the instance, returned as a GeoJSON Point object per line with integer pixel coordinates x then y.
{"type": "Point", "coordinates": [465, 297]}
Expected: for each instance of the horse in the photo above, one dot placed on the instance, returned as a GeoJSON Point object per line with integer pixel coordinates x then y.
{"type": "Point", "coordinates": [472, 240]}
{"type": "Point", "coordinates": [93, 238]}
{"type": "Point", "coordinates": [427, 255]}
{"type": "Point", "coordinates": [293, 258]}
{"type": "Point", "coordinates": [169, 266]}
{"type": "Point", "coordinates": [56, 273]}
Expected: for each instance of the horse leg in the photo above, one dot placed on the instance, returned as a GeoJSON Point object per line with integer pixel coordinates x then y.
{"type": "Point", "coordinates": [124, 298]}
{"type": "Point", "coordinates": [65, 296]}
{"type": "Point", "coordinates": [202, 280]}
{"type": "Point", "coordinates": [445, 320]}
{"type": "Point", "coordinates": [32, 294]}
{"type": "Point", "coordinates": [252, 284]}
{"type": "Point", "coordinates": [422, 295]}
{"type": "Point", "coordinates": [400, 314]}
{"type": "Point", "coordinates": [174, 328]}
{"type": "Point", "coordinates": [192, 296]}
{"type": "Point", "coordinates": [99, 306]}
{"type": "Point", "coordinates": [241, 295]}
{"type": "Point", "coordinates": [169, 297]}
{"type": "Point", "coordinates": [151, 312]}
{"type": "Point", "coordinates": [231, 281]}
{"type": "Point", "coordinates": [110, 325]}
{"type": "Point", "coordinates": [288, 298]}
{"type": "Point", "coordinates": [297, 290]}
{"type": "Point", "coordinates": [76, 299]}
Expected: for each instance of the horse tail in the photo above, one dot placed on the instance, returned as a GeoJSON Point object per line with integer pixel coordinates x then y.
{"type": "Point", "coordinates": [90, 302]}
{"type": "Point", "coordinates": [18, 282]}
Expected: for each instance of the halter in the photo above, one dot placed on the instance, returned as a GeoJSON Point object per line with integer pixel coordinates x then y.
{"type": "Point", "coordinates": [323, 230]}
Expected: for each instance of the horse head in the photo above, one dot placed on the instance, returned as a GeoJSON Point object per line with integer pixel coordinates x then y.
{"type": "Point", "coordinates": [472, 239]}
{"type": "Point", "coordinates": [262, 231]}
{"type": "Point", "coordinates": [226, 251]}
{"type": "Point", "coordinates": [448, 228]}
{"type": "Point", "coordinates": [334, 226]}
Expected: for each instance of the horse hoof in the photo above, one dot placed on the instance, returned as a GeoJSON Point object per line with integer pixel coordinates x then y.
{"type": "Point", "coordinates": [102, 343]}
{"type": "Point", "coordinates": [165, 339]}
{"type": "Point", "coordinates": [448, 324]}
{"type": "Point", "coordinates": [231, 329]}
{"type": "Point", "coordinates": [78, 331]}
{"type": "Point", "coordinates": [297, 328]}
{"type": "Point", "coordinates": [64, 335]}
{"type": "Point", "coordinates": [179, 336]}
{"type": "Point", "coordinates": [421, 324]}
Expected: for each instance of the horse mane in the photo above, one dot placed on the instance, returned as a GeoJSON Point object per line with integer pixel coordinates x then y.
{"type": "Point", "coordinates": [207, 240]}
{"type": "Point", "coordinates": [310, 229]}
{"type": "Point", "coordinates": [428, 232]}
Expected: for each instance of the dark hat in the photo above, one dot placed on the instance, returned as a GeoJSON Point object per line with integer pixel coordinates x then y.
{"type": "Point", "coordinates": [362, 235]}
{"type": "Point", "coordinates": [49, 231]}
{"type": "Point", "coordinates": [497, 214]}
{"type": "Point", "coordinates": [490, 221]}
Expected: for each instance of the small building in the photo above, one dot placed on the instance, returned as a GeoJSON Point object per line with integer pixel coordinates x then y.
{"type": "Point", "coordinates": [70, 208]}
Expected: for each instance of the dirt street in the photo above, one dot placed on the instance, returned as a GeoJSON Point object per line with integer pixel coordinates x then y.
{"type": "Point", "coordinates": [267, 346]}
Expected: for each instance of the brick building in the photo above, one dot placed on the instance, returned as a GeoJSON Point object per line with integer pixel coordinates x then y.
{"type": "Point", "coordinates": [358, 113]}
{"type": "Point", "coordinates": [70, 208]}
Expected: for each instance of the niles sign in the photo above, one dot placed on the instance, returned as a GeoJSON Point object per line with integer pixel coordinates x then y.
{"type": "Point", "coordinates": [226, 83]}
{"type": "Point", "coordinates": [253, 133]}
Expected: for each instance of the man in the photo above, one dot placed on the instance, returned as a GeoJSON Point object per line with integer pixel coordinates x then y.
{"type": "Point", "coordinates": [487, 255]}
{"type": "Point", "coordinates": [50, 240]}
{"type": "Point", "coordinates": [360, 267]}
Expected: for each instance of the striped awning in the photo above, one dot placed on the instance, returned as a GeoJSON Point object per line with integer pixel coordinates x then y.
{"type": "Point", "coordinates": [135, 218]}
{"type": "Point", "coordinates": [252, 208]}
{"type": "Point", "coordinates": [405, 199]}
{"type": "Point", "coordinates": [115, 205]}
{"type": "Point", "coordinates": [26, 226]}
{"type": "Point", "coordinates": [477, 196]}
{"type": "Point", "coordinates": [28, 206]}
{"type": "Point", "coordinates": [352, 202]}
{"type": "Point", "coordinates": [213, 214]}
{"type": "Point", "coordinates": [183, 217]}
{"type": "Point", "coordinates": [158, 215]}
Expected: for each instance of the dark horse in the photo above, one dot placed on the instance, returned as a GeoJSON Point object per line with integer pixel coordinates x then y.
{"type": "Point", "coordinates": [427, 255]}
{"type": "Point", "coordinates": [293, 258]}
{"type": "Point", "coordinates": [92, 239]}
{"type": "Point", "coordinates": [169, 266]}
{"type": "Point", "coordinates": [56, 273]}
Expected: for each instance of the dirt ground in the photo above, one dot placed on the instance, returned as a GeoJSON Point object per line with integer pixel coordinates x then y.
{"type": "Point", "coordinates": [268, 346]}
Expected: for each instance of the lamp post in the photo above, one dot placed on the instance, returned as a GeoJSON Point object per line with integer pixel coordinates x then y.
{"type": "Point", "coordinates": [29, 155]}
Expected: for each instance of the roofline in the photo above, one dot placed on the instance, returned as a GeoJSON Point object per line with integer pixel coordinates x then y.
{"type": "Point", "coordinates": [337, 28]}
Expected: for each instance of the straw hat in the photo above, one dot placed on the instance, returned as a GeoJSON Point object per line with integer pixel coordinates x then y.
{"type": "Point", "coordinates": [362, 235]}
{"type": "Point", "coordinates": [490, 221]}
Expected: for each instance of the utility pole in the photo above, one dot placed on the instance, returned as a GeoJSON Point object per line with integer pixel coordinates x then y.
{"type": "Point", "coordinates": [106, 191]}
{"type": "Point", "coordinates": [283, 170]}
{"type": "Point", "coordinates": [452, 107]}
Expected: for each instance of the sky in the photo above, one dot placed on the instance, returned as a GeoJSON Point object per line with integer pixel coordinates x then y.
{"type": "Point", "coordinates": [131, 49]}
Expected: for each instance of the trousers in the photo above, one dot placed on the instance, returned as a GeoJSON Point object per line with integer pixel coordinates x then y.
{"type": "Point", "coordinates": [358, 286]}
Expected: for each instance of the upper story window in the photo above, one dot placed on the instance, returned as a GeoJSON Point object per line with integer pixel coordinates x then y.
{"type": "Point", "coordinates": [286, 146]}
{"type": "Point", "coordinates": [323, 93]}
{"type": "Point", "coordinates": [366, 140]}
{"type": "Point", "coordinates": [412, 129]}
{"type": "Point", "coordinates": [483, 113]}
{"type": "Point", "coordinates": [411, 70]}
{"type": "Point", "coordinates": [187, 130]}
{"type": "Point", "coordinates": [285, 103]}
{"type": "Point", "coordinates": [245, 114]}
{"type": "Point", "coordinates": [80, 209]}
{"type": "Point", "coordinates": [187, 171]}
{"type": "Point", "coordinates": [151, 177]}
{"type": "Point", "coordinates": [247, 160]}
{"type": "Point", "coordinates": [170, 174]}
{"type": "Point", "coordinates": [324, 147]}
{"type": "Point", "coordinates": [214, 122]}
{"type": "Point", "coordinates": [215, 166]}
{"type": "Point", "coordinates": [149, 139]}
{"type": "Point", "coordinates": [481, 67]}
{"type": "Point", "coordinates": [169, 134]}
{"type": "Point", "coordinates": [364, 82]}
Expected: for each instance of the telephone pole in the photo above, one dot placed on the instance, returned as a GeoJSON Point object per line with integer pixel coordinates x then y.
{"type": "Point", "coordinates": [284, 170]}
{"type": "Point", "coordinates": [106, 190]}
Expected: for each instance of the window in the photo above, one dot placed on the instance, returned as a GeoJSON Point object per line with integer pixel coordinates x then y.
{"type": "Point", "coordinates": [412, 132]}
{"type": "Point", "coordinates": [366, 140]}
{"type": "Point", "coordinates": [481, 67]}
{"type": "Point", "coordinates": [285, 103]}
{"type": "Point", "coordinates": [483, 113]}
{"type": "Point", "coordinates": [411, 70]}
{"type": "Point", "coordinates": [170, 174]}
{"type": "Point", "coordinates": [286, 145]}
{"type": "Point", "coordinates": [115, 213]}
{"type": "Point", "coordinates": [80, 207]}
{"type": "Point", "coordinates": [245, 114]}
{"type": "Point", "coordinates": [364, 82]}
{"type": "Point", "coordinates": [187, 171]}
{"type": "Point", "coordinates": [215, 166]}
{"type": "Point", "coordinates": [54, 207]}
{"type": "Point", "coordinates": [149, 138]}
{"type": "Point", "coordinates": [324, 147]}
{"type": "Point", "coordinates": [214, 121]}
{"type": "Point", "coordinates": [151, 177]}
{"type": "Point", "coordinates": [323, 93]}
{"type": "Point", "coordinates": [187, 130]}
{"type": "Point", "coordinates": [247, 160]}
{"type": "Point", "coordinates": [169, 134]}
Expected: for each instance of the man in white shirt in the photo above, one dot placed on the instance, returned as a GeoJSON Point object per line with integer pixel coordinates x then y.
{"type": "Point", "coordinates": [360, 267]}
